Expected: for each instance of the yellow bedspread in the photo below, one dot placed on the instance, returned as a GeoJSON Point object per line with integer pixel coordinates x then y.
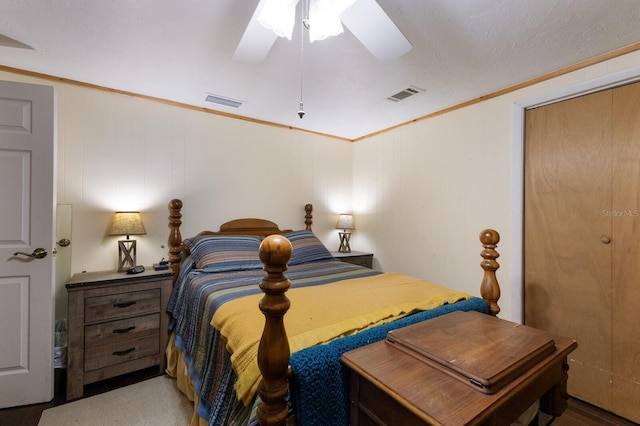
{"type": "Point", "coordinates": [323, 313]}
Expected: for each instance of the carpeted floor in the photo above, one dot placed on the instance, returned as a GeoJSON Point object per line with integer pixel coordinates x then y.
{"type": "Point", "coordinates": [154, 402]}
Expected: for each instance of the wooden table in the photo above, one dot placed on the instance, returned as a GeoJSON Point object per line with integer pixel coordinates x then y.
{"type": "Point", "coordinates": [390, 387]}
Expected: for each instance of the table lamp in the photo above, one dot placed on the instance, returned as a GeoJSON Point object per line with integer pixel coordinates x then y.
{"type": "Point", "coordinates": [345, 222]}
{"type": "Point", "coordinates": [126, 223]}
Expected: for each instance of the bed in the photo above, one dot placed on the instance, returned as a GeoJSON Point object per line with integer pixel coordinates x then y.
{"type": "Point", "coordinates": [244, 365]}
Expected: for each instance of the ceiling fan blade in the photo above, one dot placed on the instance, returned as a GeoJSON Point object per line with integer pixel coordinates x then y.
{"type": "Point", "coordinates": [375, 30]}
{"type": "Point", "coordinates": [256, 41]}
{"type": "Point", "coordinates": [9, 42]}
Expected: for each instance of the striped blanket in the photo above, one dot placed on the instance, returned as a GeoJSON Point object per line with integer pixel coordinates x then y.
{"type": "Point", "coordinates": [194, 300]}
{"type": "Point", "coordinates": [198, 295]}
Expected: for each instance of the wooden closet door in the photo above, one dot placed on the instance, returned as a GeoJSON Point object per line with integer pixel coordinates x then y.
{"type": "Point", "coordinates": [625, 244]}
{"type": "Point", "coordinates": [567, 257]}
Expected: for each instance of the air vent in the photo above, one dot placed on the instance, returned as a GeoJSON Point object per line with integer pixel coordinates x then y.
{"type": "Point", "coordinates": [221, 100]}
{"type": "Point", "coordinates": [405, 93]}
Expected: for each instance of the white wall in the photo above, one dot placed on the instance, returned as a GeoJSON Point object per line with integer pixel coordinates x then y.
{"type": "Point", "coordinates": [117, 152]}
{"type": "Point", "coordinates": [422, 193]}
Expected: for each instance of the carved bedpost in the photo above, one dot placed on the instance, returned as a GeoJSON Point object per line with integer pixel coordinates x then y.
{"type": "Point", "coordinates": [273, 352]}
{"type": "Point", "coordinates": [489, 288]}
{"type": "Point", "coordinates": [175, 238]}
{"type": "Point", "coordinates": [308, 218]}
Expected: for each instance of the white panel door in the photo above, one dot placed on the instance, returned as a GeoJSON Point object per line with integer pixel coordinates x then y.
{"type": "Point", "coordinates": [27, 157]}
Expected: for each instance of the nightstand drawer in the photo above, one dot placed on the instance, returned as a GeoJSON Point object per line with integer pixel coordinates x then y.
{"type": "Point", "coordinates": [115, 331]}
{"type": "Point", "coordinates": [355, 258]}
{"type": "Point", "coordinates": [119, 352]}
{"type": "Point", "coordinates": [366, 261]}
{"type": "Point", "coordinates": [121, 305]}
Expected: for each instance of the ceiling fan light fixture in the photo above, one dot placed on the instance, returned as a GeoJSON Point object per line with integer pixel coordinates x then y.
{"type": "Point", "coordinates": [278, 16]}
{"type": "Point", "coordinates": [366, 20]}
{"type": "Point", "coordinates": [324, 18]}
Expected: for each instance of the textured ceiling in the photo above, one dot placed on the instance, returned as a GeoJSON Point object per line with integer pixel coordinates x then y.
{"type": "Point", "coordinates": [181, 50]}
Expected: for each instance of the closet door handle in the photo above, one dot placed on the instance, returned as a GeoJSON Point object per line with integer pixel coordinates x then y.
{"type": "Point", "coordinates": [605, 240]}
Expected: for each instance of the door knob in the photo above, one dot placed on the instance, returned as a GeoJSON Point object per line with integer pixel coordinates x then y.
{"type": "Point", "coordinates": [63, 242]}
{"type": "Point", "coordinates": [605, 240]}
{"type": "Point", "coordinates": [38, 253]}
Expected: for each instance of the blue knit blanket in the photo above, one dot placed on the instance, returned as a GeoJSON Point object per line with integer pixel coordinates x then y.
{"type": "Point", "coordinates": [319, 390]}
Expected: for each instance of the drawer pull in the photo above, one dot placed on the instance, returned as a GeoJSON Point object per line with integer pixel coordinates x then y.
{"type": "Point", "coordinates": [124, 330]}
{"type": "Point", "coordinates": [125, 352]}
{"type": "Point", "coordinates": [124, 305]}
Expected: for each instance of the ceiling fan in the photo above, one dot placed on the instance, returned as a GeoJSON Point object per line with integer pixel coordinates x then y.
{"type": "Point", "coordinates": [365, 19]}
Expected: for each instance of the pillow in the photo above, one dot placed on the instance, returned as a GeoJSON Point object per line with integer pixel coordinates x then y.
{"type": "Point", "coordinates": [306, 248]}
{"type": "Point", "coordinates": [221, 253]}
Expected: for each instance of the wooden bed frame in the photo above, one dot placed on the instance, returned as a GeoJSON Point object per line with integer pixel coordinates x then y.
{"type": "Point", "coordinates": [275, 252]}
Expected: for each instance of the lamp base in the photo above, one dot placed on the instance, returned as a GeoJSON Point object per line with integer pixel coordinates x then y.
{"type": "Point", "coordinates": [126, 254]}
{"type": "Point", "coordinates": [344, 242]}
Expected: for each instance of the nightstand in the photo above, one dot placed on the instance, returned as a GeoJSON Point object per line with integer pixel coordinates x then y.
{"type": "Point", "coordinates": [355, 257]}
{"type": "Point", "coordinates": [116, 324]}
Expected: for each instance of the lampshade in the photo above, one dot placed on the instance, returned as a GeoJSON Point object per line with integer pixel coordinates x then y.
{"type": "Point", "coordinates": [278, 16]}
{"type": "Point", "coordinates": [324, 18]}
{"type": "Point", "coordinates": [127, 223]}
{"type": "Point", "coordinates": [345, 221]}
